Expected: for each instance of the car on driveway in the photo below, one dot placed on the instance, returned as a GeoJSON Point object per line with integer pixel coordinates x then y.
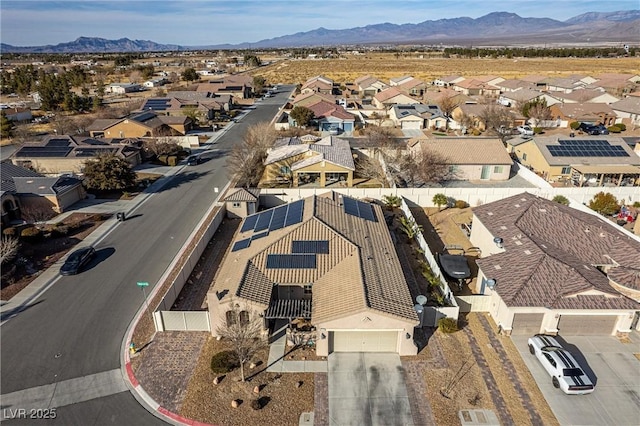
{"type": "Point", "coordinates": [77, 260]}
{"type": "Point", "coordinates": [565, 372]}
{"type": "Point", "coordinates": [593, 129]}
{"type": "Point", "coordinates": [525, 130]}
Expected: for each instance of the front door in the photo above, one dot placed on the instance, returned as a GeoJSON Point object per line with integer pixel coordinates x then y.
{"type": "Point", "coordinates": [486, 172]}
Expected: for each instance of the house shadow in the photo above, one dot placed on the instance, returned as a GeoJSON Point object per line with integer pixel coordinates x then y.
{"type": "Point", "coordinates": [101, 256]}
{"type": "Point", "coordinates": [421, 336]}
{"type": "Point", "coordinates": [578, 355]}
{"type": "Point", "coordinates": [19, 309]}
{"type": "Point", "coordinates": [175, 182]}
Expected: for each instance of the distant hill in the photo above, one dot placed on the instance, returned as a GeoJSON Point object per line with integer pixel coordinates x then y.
{"type": "Point", "coordinates": [501, 28]}
{"type": "Point", "coordinates": [94, 44]}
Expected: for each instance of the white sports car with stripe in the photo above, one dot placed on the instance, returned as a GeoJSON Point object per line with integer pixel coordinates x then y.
{"type": "Point", "coordinates": [564, 370]}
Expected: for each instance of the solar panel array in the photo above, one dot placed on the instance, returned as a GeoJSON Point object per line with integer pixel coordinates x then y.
{"type": "Point", "coordinates": [144, 116]}
{"type": "Point", "coordinates": [44, 151]}
{"type": "Point", "coordinates": [291, 261]}
{"type": "Point", "coordinates": [241, 244]}
{"type": "Point", "coordinates": [157, 104]}
{"type": "Point", "coordinates": [310, 246]}
{"type": "Point", "coordinates": [57, 143]}
{"type": "Point", "coordinates": [359, 209]}
{"type": "Point", "coordinates": [586, 148]}
{"type": "Point", "coordinates": [273, 219]}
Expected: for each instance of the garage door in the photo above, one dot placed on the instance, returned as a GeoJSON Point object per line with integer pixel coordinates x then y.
{"type": "Point", "coordinates": [410, 125]}
{"type": "Point", "coordinates": [586, 325]}
{"type": "Point", "coordinates": [526, 324]}
{"type": "Point", "coordinates": [364, 341]}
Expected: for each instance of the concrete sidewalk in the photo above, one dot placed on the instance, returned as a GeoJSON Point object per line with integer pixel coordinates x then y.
{"type": "Point", "coordinates": [277, 364]}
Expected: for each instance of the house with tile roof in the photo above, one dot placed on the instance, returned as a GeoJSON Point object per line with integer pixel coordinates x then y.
{"type": "Point", "coordinates": [242, 202]}
{"type": "Point", "coordinates": [392, 96]}
{"type": "Point", "coordinates": [595, 96]}
{"type": "Point", "coordinates": [628, 109]}
{"type": "Point", "coordinates": [522, 96]}
{"type": "Point", "coordinates": [65, 154]}
{"type": "Point", "coordinates": [417, 116]}
{"type": "Point", "coordinates": [310, 162]}
{"type": "Point", "coordinates": [447, 81]}
{"type": "Point", "coordinates": [318, 84]}
{"type": "Point", "coordinates": [413, 87]}
{"type": "Point", "coordinates": [326, 259]}
{"type": "Point", "coordinates": [139, 125]}
{"type": "Point", "coordinates": [549, 268]}
{"type": "Point", "coordinates": [368, 85]}
{"type": "Point", "coordinates": [583, 160]}
{"type": "Point", "coordinates": [330, 116]}
{"type": "Point", "coordinates": [238, 86]}
{"type": "Point", "coordinates": [472, 87]}
{"type": "Point", "coordinates": [23, 189]}
{"type": "Point", "coordinates": [587, 112]}
{"type": "Point", "coordinates": [469, 158]}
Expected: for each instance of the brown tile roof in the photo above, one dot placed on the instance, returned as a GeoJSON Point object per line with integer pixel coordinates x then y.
{"type": "Point", "coordinates": [388, 93]}
{"type": "Point", "coordinates": [544, 142]}
{"type": "Point", "coordinates": [467, 150]}
{"type": "Point", "coordinates": [361, 272]}
{"type": "Point", "coordinates": [243, 194]}
{"type": "Point", "coordinates": [552, 253]}
{"type": "Point", "coordinates": [327, 109]}
{"type": "Point", "coordinates": [626, 277]}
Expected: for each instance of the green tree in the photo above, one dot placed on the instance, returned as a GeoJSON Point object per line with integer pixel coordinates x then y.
{"type": "Point", "coordinates": [440, 200]}
{"type": "Point", "coordinates": [301, 115]}
{"type": "Point", "coordinates": [604, 203]}
{"type": "Point", "coordinates": [107, 173]}
{"type": "Point", "coordinates": [561, 199]}
{"type": "Point", "coordinates": [252, 61]}
{"type": "Point", "coordinates": [391, 201]}
{"type": "Point", "coordinates": [190, 74]}
{"type": "Point", "coordinates": [6, 127]}
{"type": "Point", "coordinates": [410, 227]}
{"type": "Point", "coordinates": [258, 83]}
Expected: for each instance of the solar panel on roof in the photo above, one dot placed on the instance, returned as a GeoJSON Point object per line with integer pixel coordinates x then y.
{"type": "Point", "coordinates": [279, 215]}
{"type": "Point", "coordinates": [37, 151]}
{"type": "Point", "coordinates": [310, 246]}
{"type": "Point", "coordinates": [249, 223]}
{"type": "Point", "coordinates": [350, 206]}
{"type": "Point", "coordinates": [263, 221]}
{"type": "Point", "coordinates": [260, 235]}
{"type": "Point", "coordinates": [359, 209]}
{"type": "Point", "coordinates": [242, 244]}
{"type": "Point", "coordinates": [366, 211]}
{"type": "Point", "coordinates": [57, 142]}
{"type": "Point", "coordinates": [294, 213]}
{"type": "Point", "coordinates": [586, 148]}
{"type": "Point", "coordinates": [291, 261]}
{"type": "Point", "coordinates": [144, 116]}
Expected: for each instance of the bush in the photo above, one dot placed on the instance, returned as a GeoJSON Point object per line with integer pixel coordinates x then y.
{"type": "Point", "coordinates": [475, 132]}
{"type": "Point", "coordinates": [224, 362]}
{"type": "Point", "coordinates": [621, 126]}
{"type": "Point", "coordinates": [636, 204]}
{"type": "Point", "coordinates": [59, 231]}
{"type": "Point", "coordinates": [614, 129]}
{"type": "Point", "coordinates": [461, 204]}
{"type": "Point", "coordinates": [447, 325]}
{"type": "Point", "coordinates": [256, 404]}
{"type": "Point", "coordinates": [561, 199]}
{"type": "Point", "coordinates": [172, 160]}
{"type": "Point", "coordinates": [9, 232]}
{"type": "Point", "coordinates": [574, 125]}
{"type": "Point", "coordinates": [162, 159]}
{"type": "Point", "coordinates": [32, 234]}
{"type": "Point", "coordinates": [537, 130]}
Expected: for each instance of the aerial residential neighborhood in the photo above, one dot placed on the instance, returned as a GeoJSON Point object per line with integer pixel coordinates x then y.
{"type": "Point", "coordinates": [390, 224]}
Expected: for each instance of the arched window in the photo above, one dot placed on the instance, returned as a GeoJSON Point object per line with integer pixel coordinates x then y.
{"type": "Point", "coordinates": [244, 318]}
{"type": "Point", "coordinates": [231, 318]}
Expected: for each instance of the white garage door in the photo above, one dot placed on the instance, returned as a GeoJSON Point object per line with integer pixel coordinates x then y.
{"type": "Point", "coordinates": [364, 341]}
{"type": "Point", "coordinates": [586, 325]}
{"type": "Point", "coordinates": [410, 125]}
{"type": "Point", "coordinates": [524, 324]}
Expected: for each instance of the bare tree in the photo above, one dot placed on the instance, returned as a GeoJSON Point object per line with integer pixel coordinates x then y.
{"type": "Point", "coordinates": [243, 329]}
{"type": "Point", "coordinates": [37, 214]}
{"type": "Point", "coordinates": [246, 160]}
{"type": "Point", "coordinates": [432, 166]}
{"type": "Point", "coordinates": [447, 104]}
{"type": "Point", "coordinates": [368, 168]}
{"type": "Point", "coordinates": [539, 112]}
{"type": "Point", "coordinates": [135, 76]}
{"type": "Point", "coordinates": [8, 248]}
{"type": "Point", "coordinates": [62, 124]}
{"type": "Point", "coordinates": [495, 117]}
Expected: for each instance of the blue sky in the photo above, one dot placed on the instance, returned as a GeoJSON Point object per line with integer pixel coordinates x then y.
{"type": "Point", "coordinates": [208, 22]}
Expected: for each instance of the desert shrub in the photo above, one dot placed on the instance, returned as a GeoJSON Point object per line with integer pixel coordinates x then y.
{"type": "Point", "coordinates": [614, 129]}
{"type": "Point", "coordinates": [172, 160]}
{"type": "Point", "coordinates": [224, 362]}
{"type": "Point", "coordinates": [9, 232]}
{"type": "Point", "coordinates": [574, 125]}
{"type": "Point", "coordinates": [475, 132]}
{"type": "Point", "coordinates": [447, 325]}
{"type": "Point", "coordinates": [256, 404]}
{"type": "Point", "coordinates": [636, 204]}
{"type": "Point", "coordinates": [162, 159]}
{"type": "Point", "coordinates": [537, 130]}
{"type": "Point", "coordinates": [622, 127]}
{"type": "Point", "coordinates": [31, 234]}
{"type": "Point", "coordinates": [59, 231]}
{"type": "Point", "coordinates": [561, 199]}
{"type": "Point", "coordinates": [461, 204]}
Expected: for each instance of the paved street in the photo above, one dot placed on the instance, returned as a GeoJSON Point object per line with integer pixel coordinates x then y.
{"type": "Point", "coordinates": [75, 329]}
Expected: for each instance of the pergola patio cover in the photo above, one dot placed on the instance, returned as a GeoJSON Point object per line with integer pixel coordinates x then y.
{"type": "Point", "coordinates": [612, 169]}
{"type": "Point", "coordinates": [287, 309]}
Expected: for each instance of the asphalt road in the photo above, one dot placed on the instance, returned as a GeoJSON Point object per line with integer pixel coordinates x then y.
{"type": "Point", "coordinates": [76, 328]}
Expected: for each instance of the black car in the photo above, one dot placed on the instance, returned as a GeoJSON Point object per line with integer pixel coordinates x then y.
{"type": "Point", "coordinates": [77, 260]}
{"type": "Point", "coordinates": [593, 129]}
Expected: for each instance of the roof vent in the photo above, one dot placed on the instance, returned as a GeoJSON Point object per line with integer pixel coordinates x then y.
{"type": "Point", "coordinates": [542, 210]}
{"type": "Point", "coordinates": [503, 227]}
{"type": "Point", "coordinates": [489, 213]}
{"type": "Point", "coordinates": [498, 267]}
{"type": "Point", "coordinates": [517, 205]}
{"type": "Point", "coordinates": [518, 243]}
{"type": "Point", "coordinates": [527, 252]}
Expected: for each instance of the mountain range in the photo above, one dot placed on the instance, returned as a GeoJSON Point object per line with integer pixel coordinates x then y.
{"type": "Point", "coordinates": [497, 28]}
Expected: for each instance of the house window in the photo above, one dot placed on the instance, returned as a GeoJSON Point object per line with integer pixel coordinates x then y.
{"type": "Point", "coordinates": [285, 170]}
{"type": "Point", "coordinates": [498, 169]}
{"type": "Point", "coordinates": [307, 289]}
{"type": "Point", "coordinates": [231, 318]}
{"type": "Point", "coordinates": [244, 318]}
{"type": "Point", "coordinates": [236, 205]}
{"type": "Point", "coordinates": [566, 170]}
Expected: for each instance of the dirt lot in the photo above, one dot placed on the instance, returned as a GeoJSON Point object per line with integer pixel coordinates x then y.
{"type": "Point", "coordinates": [385, 66]}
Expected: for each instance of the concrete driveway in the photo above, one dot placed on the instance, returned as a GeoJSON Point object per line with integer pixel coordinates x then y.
{"type": "Point", "coordinates": [613, 367]}
{"type": "Point", "coordinates": [367, 389]}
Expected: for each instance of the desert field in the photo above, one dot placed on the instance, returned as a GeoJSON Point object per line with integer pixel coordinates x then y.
{"type": "Point", "coordinates": [386, 66]}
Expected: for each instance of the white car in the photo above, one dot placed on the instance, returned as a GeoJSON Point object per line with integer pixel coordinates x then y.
{"type": "Point", "coordinates": [525, 130]}
{"type": "Point", "coordinates": [564, 370]}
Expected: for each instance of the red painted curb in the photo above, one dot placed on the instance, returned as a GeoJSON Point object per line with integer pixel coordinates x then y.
{"type": "Point", "coordinates": [180, 418]}
{"type": "Point", "coordinates": [132, 378]}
